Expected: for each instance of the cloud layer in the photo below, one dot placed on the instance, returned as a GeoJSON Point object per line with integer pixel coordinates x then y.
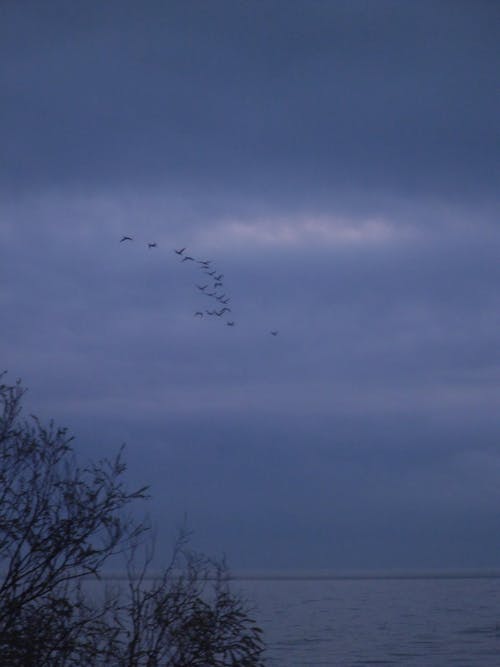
{"type": "Point", "coordinates": [337, 162]}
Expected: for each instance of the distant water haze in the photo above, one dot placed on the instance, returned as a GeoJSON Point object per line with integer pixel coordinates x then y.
{"type": "Point", "coordinates": [326, 575]}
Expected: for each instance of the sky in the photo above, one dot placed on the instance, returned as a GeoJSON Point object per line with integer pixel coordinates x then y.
{"type": "Point", "coordinates": [337, 162]}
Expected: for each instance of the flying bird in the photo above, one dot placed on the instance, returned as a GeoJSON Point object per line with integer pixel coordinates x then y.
{"type": "Point", "coordinates": [187, 258]}
{"type": "Point", "coordinates": [198, 314]}
{"type": "Point", "coordinates": [230, 324]}
{"type": "Point", "coordinates": [126, 238]}
{"type": "Point", "coordinates": [179, 252]}
{"type": "Point", "coordinates": [152, 245]}
{"type": "Point", "coordinates": [221, 312]}
{"type": "Point", "coordinates": [202, 288]}
{"type": "Point", "coordinates": [274, 333]}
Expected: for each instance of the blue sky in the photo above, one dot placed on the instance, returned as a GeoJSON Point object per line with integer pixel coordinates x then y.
{"type": "Point", "coordinates": [338, 163]}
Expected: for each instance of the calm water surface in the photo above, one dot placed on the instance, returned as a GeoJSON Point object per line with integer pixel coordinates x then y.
{"type": "Point", "coordinates": [342, 623]}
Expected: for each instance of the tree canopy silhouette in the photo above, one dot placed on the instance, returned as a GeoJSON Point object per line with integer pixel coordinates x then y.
{"type": "Point", "coordinates": [60, 524]}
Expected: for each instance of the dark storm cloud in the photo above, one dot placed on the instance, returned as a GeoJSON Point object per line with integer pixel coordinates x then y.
{"type": "Point", "coordinates": [246, 96]}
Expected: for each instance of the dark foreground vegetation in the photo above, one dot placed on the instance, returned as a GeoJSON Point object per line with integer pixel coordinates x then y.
{"type": "Point", "coordinates": [60, 524]}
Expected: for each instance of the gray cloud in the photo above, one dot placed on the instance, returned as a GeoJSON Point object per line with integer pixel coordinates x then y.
{"type": "Point", "coordinates": [337, 162]}
{"type": "Point", "coordinates": [254, 98]}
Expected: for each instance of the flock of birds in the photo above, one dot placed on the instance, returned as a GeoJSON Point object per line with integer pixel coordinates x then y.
{"type": "Point", "coordinates": [212, 289]}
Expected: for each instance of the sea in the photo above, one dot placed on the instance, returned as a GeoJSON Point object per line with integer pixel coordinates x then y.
{"type": "Point", "coordinates": [414, 619]}
{"type": "Point", "coordinates": [409, 619]}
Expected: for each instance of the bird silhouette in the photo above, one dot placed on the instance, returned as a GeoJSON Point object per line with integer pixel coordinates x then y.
{"type": "Point", "coordinates": [274, 333]}
{"type": "Point", "coordinates": [209, 289]}
{"type": "Point", "coordinates": [152, 245]}
{"type": "Point", "coordinates": [126, 238]}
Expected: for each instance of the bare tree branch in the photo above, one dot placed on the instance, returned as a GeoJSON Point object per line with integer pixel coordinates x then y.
{"type": "Point", "coordinates": [60, 523]}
